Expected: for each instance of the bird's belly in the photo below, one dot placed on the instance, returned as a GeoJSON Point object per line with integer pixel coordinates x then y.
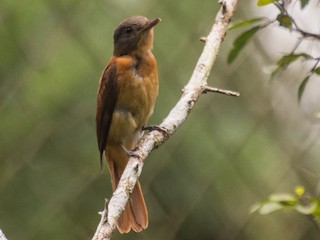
{"type": "Point", "coordinates": [138, 95]}
{"type": "Point", "coordinates": [124, 129]}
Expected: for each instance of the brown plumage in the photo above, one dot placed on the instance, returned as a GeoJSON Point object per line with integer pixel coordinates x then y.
{"type": "Point", "coordinates": [127, 92]}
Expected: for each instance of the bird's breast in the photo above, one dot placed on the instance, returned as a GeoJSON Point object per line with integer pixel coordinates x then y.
{"type": "Point", "coordinates": [138, 89]}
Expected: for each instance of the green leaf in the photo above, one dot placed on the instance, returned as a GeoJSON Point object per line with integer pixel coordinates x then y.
{"type": "Point", "coordinates": [304, 3]}
{"type": "Point", "coordinates": [307, 209]}
{"type": "Point", "coordinates": [255, 207]}
{"type": "Point", "coordinates": [245, 23]}
{"type": "Point", "coordinates": [270, 207]}
{"type": "Point", "coordinates": [240, 42]}
{"type": "Point", "coordinates": [284, 20]}
{"type": "Point", "coordinates": [302, 87]}
{"type": "Point", "coordinates": [290, 58]}
{"type": "Point", "coordinates": [283, 197]}
{"type": "Point", "coordinates": [285, 60]}
{"type": "Point", "coordinates": [275, 72]}
{"type": "Point", "coordinates": [316, 211]}
{"type": "Point", "coordinates": [264, 2]}
{"type": "Point", "coordinates": [317, 70]}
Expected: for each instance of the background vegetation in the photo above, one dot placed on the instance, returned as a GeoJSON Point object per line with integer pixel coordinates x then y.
{"type": "Point", "coordinates": [229, 154]}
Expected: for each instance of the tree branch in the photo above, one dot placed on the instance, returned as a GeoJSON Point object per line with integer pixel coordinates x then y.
{"type": "Point", "coordinates": [2, 236]}
{"type": "Point", "coordinates": [191, 92]}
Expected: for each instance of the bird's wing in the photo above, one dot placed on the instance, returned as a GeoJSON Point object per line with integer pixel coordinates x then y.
{"type": "Point", "coordinates": [106, 101]}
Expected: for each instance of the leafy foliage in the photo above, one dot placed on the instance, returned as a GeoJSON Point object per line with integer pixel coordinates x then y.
{"type": "Point", "coordinates": [285, 20]}
{"type": "Point", "coordinates": [240, 42]}
{"type": "Point", "coordinates": [286, 60]}
{"type": "Point", "coordinates": [302, 87]}
{"type": "Point", "coordinates": [304, 3]}
{"type": "Point", "coordinates": [246, 23]}
{"type": "Point", "coordinates": [299, 201]}
{"type": "Point", "coordinates": [290, 58]}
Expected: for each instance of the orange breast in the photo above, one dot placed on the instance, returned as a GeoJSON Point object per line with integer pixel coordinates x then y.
{"type": "Point", "coordinates": [138, 86]}
{"type": "Point", "coordinates": [138, 90]}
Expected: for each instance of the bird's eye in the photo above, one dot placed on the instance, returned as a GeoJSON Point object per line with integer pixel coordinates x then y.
{"type": "Point", "coordinates": [128, 31]}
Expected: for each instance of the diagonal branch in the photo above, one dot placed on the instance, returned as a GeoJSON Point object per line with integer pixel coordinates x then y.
{"type": "Point", "coordinates": [2, 236]}
{"type": "Point", "coordinates": [191, 92]}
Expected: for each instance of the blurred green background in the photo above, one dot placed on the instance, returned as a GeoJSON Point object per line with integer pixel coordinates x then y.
{"type": "Point", "coordinates": [230, 153]}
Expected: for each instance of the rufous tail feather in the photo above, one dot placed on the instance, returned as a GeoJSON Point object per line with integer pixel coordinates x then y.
{"type": "Point", "coordinates": [135, 215]}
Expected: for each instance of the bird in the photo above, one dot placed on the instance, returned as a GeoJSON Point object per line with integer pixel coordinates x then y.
{"type": "Point", "coordinates": [127, 92]}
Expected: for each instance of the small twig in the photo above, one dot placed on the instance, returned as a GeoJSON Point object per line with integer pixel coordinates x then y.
{"type": "Point", "coordinates": [203, 39]}
{"type": "Point", "coordinates": [100, 234]}
{"type": "Point", "coordinates": [308, 34]}
{"type": "Point", "coordinates": [222, 91]}
{"type": "Point", "coordinates": [315, 65]}
{"type": "Point", "coordinates": [2, 236]}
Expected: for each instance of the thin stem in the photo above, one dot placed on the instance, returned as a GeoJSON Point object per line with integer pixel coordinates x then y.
{"type": "Point", "coordinates": [221, 91]}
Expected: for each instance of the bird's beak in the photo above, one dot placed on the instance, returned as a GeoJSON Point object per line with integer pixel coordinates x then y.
{"type": "Point", "coordinates": [150, 24]}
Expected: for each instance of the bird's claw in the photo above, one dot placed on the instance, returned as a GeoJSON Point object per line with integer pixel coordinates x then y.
{"type": "Point", "coordinates": [157, 128]}
{"type": "Point", "coordinates": [130, 153]}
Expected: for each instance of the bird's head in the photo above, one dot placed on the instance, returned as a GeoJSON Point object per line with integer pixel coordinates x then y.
{"type": "Point", "coordinates": [134, 34]}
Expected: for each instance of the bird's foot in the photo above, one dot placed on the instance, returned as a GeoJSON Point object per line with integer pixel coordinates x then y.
{"type": "Point", "coordinates": [157, 128]}
{"type": "Point", "coordinates": [131, 153]}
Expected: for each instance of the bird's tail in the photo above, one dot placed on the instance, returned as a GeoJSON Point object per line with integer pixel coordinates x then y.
{"type": "Point", "coordinates": [135, 215]}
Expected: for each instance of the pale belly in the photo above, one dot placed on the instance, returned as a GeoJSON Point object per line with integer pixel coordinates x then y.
{"type": "Point", "coordinates": [124, 129]}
